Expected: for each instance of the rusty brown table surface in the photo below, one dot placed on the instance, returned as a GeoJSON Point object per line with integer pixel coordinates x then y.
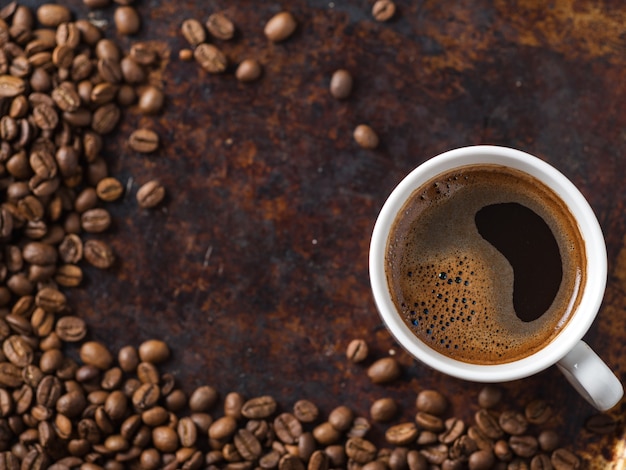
{"type": "Point", "coordinates": [255, 268]}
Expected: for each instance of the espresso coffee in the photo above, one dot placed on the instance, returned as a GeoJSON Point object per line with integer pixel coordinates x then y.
{"type": "Point", "coordinates": [485, 264]}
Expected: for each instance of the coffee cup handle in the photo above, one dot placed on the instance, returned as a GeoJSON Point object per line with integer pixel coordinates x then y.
{"type": "Point", "coordinates": [591, 377]}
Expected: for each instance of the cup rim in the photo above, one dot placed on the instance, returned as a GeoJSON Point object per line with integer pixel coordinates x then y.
{"type": "Point", "coordinates": [589, 228]}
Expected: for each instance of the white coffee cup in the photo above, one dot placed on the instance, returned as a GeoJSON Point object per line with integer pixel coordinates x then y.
{"type": "Point", "coordinates": [581, 366]}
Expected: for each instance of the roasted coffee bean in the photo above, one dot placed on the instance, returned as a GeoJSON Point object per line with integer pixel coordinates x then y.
{"type": "Point", "coordinates": [11, 86]}
{"type": "Point", "coordinates": [128, 358]}
{"type": "Point", "coordinates": [39, 253]}
{"type": "Point", "coordinates": [341, 418]}
{"type": "Point", "coordinates": [384, 370]}
{"type": "Point", "coordinates": [306, 411]}
{"type": "Point", "coordinates": [71, 404]}
{"type": "Point", "coordinates": [341, 84]}
{"type": "Point", "coordinates": [432, 402]}
{"type": "Point", "coordinates": [109, 189]}
{"type": "Point", "coordinates": [383, 10]}
{"type": "Point", "coordinates": [502, 451]}
{"type": "Point", "coordinates": [455, 427]}
{"type": "Point", "coordinates": [146, 396]}
{"type": "Point", "coordinates": [185, 55]}
{"type": "Point", "coordinates": [193, 32]}
{"type": "Point", "coordinates": [513, 423]}
{"type": "Point", "coordinates": [18, 351]}
{"type": "Point", "coordinates": [68, 275]}
{"type": "Point", "coordinates": [147, 373]}
{"type": "Point", "coordinates": [435, 454]}
{"type": "Point", "coordinates": [98, 254]}
{"type": "Point", "coordinates": [143, 53]}
{"type": "Point", "coordinates": [52, 15]}
{"type": "Point", "coordinates": [325, 434]}
{"type": "Point", "coordinates": [151, 100]}
{"type": "Point", "coordinates": [48, 391]}
{"type": "Point", "coordinates": [222, 428]}
{"type": "Point", "coordinates": [105, 118]}
{"type": "Point", "coordinates": [51, 300]}
{"type": "Point", "coordinates": [144, 141]}
{"type": "Point", "coordinates": [95, 220]}
{"type": "Point", "coordinates": [150, 194]}
{"type": "Point", "coordinates": [481, 440]}
{"type": "Point", "coordinates": [429, 422]}
{"type": "Point", "coordinates": [65, 95]}
{"type": "Point", "coordinates": [102, 93]}
{"type": "Point", "coordinates": [220, 27]}
{"type": "Point", "coordinates": [524, 446]}
{"type": "Point", "coordinates": [210, 58]}
{"type": "Point", "coordinates": [165, 439]}
{"type": "Point", "coordinates": [540, 462]}
{"type": "Point", "coordinates": [563, 459]}
{"type": "Point", "coordinates": [259, 407]}
{"type": "Point", "coordinates": [401, 434]}
{"type": "Point", "coordinates": [383, 409]}
{"type": "Point", "coordinates": [248, 70]}
{"type": "Point", "coordinates": [187, 432]}
{"type": "Point", "coordinates": [247, 445]}
{"type": "Point", "coordinates": [365, 136]}
{"type": "Point", "coordinates": [112, 379]}
{"type": "Point", "coordinates": [96, 354]}
{"type": "Point", "coordinates": [287, 428]}
{"type": "Point", "coordinates": [481, 460]}
{"type": "Point", "coordinates": [488, 424]}
{"type": "Point", "coordinates": [357, 350]}
{"type": "Point", "coordinates": [127, 20]}
{"type": "Point", "coordinates": [280, 26]}
{"type": "Point", "coordinates": [176, 400]}
{"type": "Point", "coordinates": [360, 450]}
{"type": "Point", "coordinates": [132, 72]}
{"type": "Point", "coordinates": [538, 412]}
{"type": "Point", "coordinates": [85, 200]}
{"type": "Point", "coordinates": [154, 351]}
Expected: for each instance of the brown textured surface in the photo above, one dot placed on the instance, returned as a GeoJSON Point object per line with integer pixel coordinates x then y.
{"type": "Point", "coordinates": [255, 269]}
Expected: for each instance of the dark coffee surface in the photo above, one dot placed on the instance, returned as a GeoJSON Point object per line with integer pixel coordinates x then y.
{"type": "Point", "coordinates": [456, 289]}
{"type": "Point", "coordinates": [255, 268]}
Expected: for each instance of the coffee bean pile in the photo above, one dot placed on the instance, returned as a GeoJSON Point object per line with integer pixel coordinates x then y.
{"type": "Point", "coordinates": [63, 86]}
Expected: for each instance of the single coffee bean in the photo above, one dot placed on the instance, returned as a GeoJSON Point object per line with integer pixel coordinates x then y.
{"type": "Point", "coordinates": [18, 351]}
{"type": "Point", "coordinates": [146, 396]}
{"type": "Point", "coordinates": [193, 32]}
{"type": "Point", "coordinates": [563, 459]}
{"type": "Point", "coordinates": [365, 136]}
{"type": "Point", "coordinates": [210, 58]}
{"type": "Point", "coordinates": [360, 427]}
{"type": "Point", "coordinates": [98, 254]}
{"type": "Point", "coordinates": [538, 412]}
{"type": "Point", "coordinates": [488, 424]}
{"type": "Point", "coordinates": [127, 20]}
{"type": "Point", "coordinates": [52, 15]}
{"type": "Point", "coordinates": [71, 329]}
{"type": "Point", "coordinates": [287, 428]}
{"type": "Point", "coordinates": [280, 26]}
{"type": "Point", "coordinates": [155, 416]}
{"type": "Point", "coordinates": [222, 428]}
{"type": "Point", "coordinates": [71, 404]}
{"type": "Point", "coordinates": [360, 450]}
{"type": "Point", "coordinates": [103, 93]}
{"type": "Point", "coordinates": [51, 300]}
{"type": "Point", "coordinates": [325, 434]}
{"type": "Point", "coordinates": [203, 399]}
{"type": "Point", "coordinates": [96, 354]}
{"type": "Point", "coordinates": [429, 422]}
{"type": "Point", "coordinates": [502, 450]}
{"type": "Point", "coordinates": [143, 141]}
{"type": "Point", "coordinates": [383, 10]}
{"type": "Point", "coordinates": [540, 462]}
{"type": "Point", "coordinates": [357, 350]}
{"type": "Point", "coordinates": [548, 440]}
{"type": "Point", "coordinates": [132, 72]}
{"type": "Point", "coordinates": [105, 118]}
{"type": "Point", "coordinates": [481, 460]}
{"type": "Point", "coordinates": [109, 189]}
{"type": "Point", "coordinates": [384, 409]}
{"type": "Point", "coordinates": [68, 275]}
{"type": "Point", "coordinates": [220, 27]}
{"type": "Point", "coordinates": [306, 411]}
{"type": "Point", "coordinates": [402, 434]}
{"type": "Point", "coordinates": [489, 396]}
{"type": "Point", "coordinates": [165, 439]}
{"type": "Point", "coordinates": [147, 373]}
{"type": "Point", "coordinates": [95, 220]}
{"type": "Point", "coordinates": [116, 405]}
{"type": "Point", "coordinates": [150, 194]}
{"type": "Point", "coordinates": [247, 445]}
{"type": "Point", "coordinates": [524, 446]}
{"type": "Point", "coordinates": [11, 86]}
{"type": "Point", "coordinates": [186, 55]}
{"type": "Point", "coordinates": [259, 407]}
{"type": "Point", "coordinates": [341, 418]}
{"type": "Point", "coordinates": [65, 95]}
{"type": "Point", "coordinates": [384, 370]}
{"type": "Point", "coordinates": [39, 253]}
{"type": "Point", "coordinates": [513, 423]}
{"type": "Point", "coordinates": [454, 429]}
{"type": "Point", "coordinates": [248, 70]}
{"type": "Point", "coordinates": [431, 401]}
{"type": "Point", "coordinates": [151, 100]}
{"type": "Point", "coordinates": [341, 84]}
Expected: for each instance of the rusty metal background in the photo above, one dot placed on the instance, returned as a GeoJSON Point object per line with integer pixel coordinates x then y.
{"type": "Point", "coordinates": [255, 268]}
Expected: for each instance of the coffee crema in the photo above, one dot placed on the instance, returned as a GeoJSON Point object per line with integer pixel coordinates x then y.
{"type": "Point", "coordinates": [485, 264]}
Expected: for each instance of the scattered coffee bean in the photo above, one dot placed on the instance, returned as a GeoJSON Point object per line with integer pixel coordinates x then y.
{"type": "Point", "coordinates": [210, 58]}
{"type": "Point", "coordinates": [383, 10]}
{"type": "Point", "coordinates": [109, 189]}
{"type": "Point", "coordinates": [248, 70]}
{"type": "Point", "coordinates": [431, 401]}
{"type": "Point", "coordinates": [489, 396]}
{"type": "Point", "coordinates": [151, 100]}
{"type": "Point", "coordinates": [185, 55]}
{"type": "Point", "coordinates": [365, 136]}
{"type": "Point", "coordinates": [154, 351]}
{"type": "Point", "coordinates": [563, 459]}
{"type": "Point", "coordinates": [280, 26]}
{"type": "Point", "coordinates": [306, 411]}
{"type": "Point", "coordinates": [127, 20]}
{"type": "Point", "coordinates": [384, 370]}
{"type": "Point", "coordinates": [144, 141]}
{"type": "Point", "coordinates": [220, 27]}
{"type": "Point", "coordinates": [601, 424]}
{"type": "Point", "coordinates": [150, 194]}
{"type": "Point", "coordinates": [357, 350]}
{"type": "Point", "coordinates": [341, 84]}
{"type": "Point", "coordinates": [193, 32]}
{"type": "Point", "coordinates": [384, 409]}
